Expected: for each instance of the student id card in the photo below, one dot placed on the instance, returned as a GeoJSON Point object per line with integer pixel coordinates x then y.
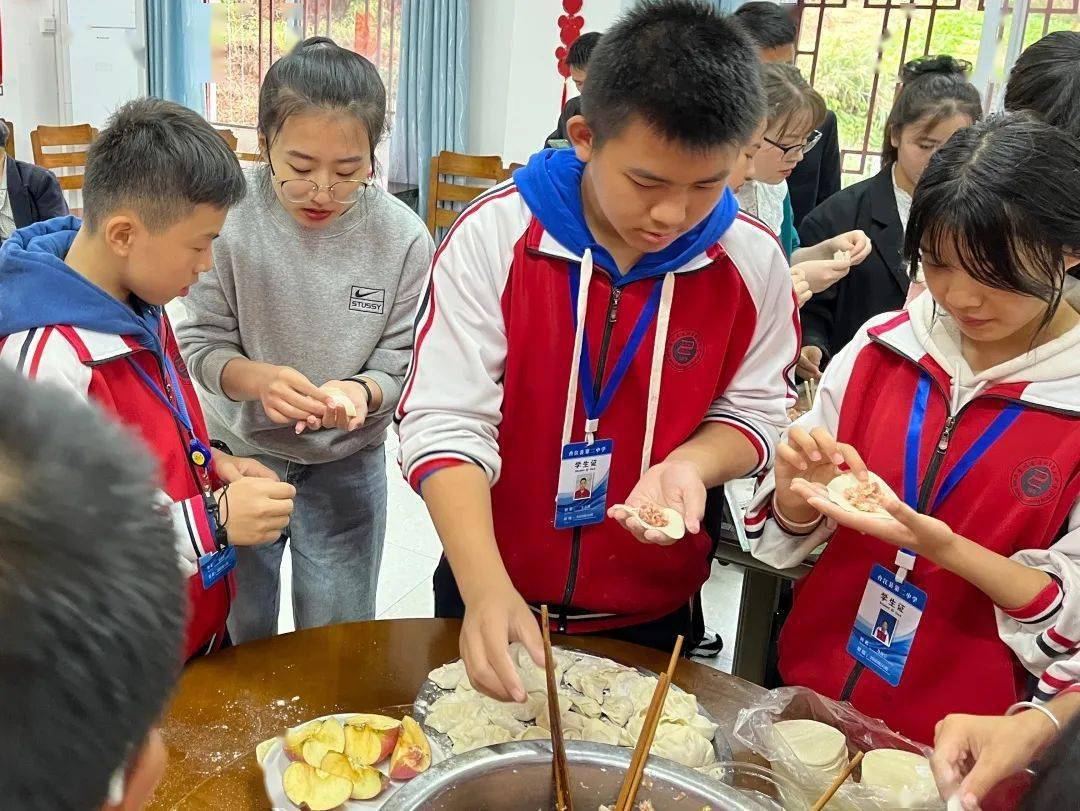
{"type": "Point", "coordinates": [216, 565]}
{"type": "Point", "coordinates": [583, 484]}
{"type": "Point", "coordinates": [885, 626]}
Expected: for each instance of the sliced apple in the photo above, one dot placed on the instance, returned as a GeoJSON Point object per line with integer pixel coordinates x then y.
{"type": "Point", "coordinates": [412, 754]}
{"type": "Point", "coordinates": [296, 737]}
{"type": "Point", "coordinates": [315, 789]}
{"type": "Point", "coordinates": [367, 782]}
{"type": "Point", "coordinates": [263, 749]}
{"type": "Point", "coordinates": [363, 745]}
{"type": "Point", "coordinates": [385, 729]}
{"type": "Point", "coordinates": [329, 737]}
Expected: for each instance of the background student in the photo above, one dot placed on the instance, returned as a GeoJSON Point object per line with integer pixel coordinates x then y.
{"type": "Point", "coordinates": [934, 101]}
{"type": "Point", "coordinates": [1045, 81]}
{"type": "Point", "coordinates": [577, 58]}
{"type": "Point", "coordinates": [28, 193]}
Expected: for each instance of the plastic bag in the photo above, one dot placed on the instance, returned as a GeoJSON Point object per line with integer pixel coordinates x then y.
{"type": "Point", "coordinates": [755, 729]}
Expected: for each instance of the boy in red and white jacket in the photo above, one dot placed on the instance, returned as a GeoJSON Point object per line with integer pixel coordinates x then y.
{"type": "Point", "coordinates": [688, 335]}
{"type": "Point", "coordinates": [81, 308]}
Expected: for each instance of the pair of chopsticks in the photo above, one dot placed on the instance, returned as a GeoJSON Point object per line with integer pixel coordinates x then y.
{"type": "Point", "coordinates": [560, 775]}
{"type": "Point", "coordinates": [634, 775]}
{"type": "Point", "coordinates": [839, 781]}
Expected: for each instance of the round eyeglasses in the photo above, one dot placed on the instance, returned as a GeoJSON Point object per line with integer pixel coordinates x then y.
{"type": "Point", "coordinates": [301, 190]}
{"type": "Point", "coordinates": [804, 147]}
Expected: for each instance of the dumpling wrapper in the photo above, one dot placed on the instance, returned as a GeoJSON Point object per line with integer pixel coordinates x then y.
{"type": "Point", "coordinates": [675, 527]}
{"type": "Point", "coordinates": [816, 744]}
{"type": "Point", "coordinates": [905, 777]}
{"type": "Point", "coordinates": [341, 399]}
{"type": "Point", "coordinates": [845, 481]}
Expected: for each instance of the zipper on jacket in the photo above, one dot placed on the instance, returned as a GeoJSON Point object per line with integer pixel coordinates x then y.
{"type": "Point", "coordinates": [925, 490]}
{"type": "Point", "coordinates": [598, 381]}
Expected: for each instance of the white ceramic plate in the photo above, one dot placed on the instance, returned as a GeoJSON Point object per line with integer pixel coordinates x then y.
{"type": "Point", "coordinates": [276, 762]}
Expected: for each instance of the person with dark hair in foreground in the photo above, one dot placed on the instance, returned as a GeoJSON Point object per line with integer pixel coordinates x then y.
{"type": "Point", "coordinates": [83, 309]}
{"type": "Point", "coordinates": [816, 178]}
{"type": "Point", "coordinates": [1045, 81]}
{"type": "Point", "coordinates": [91, 603]}
{"type": "Point", "coordinates": [28, 193]}
{"type": "Point", "coordinates": [578, 60]}
{"type": "Point", "coordinates": [629, 248]}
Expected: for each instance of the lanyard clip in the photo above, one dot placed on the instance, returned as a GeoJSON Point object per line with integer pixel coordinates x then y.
{"type": "Point", "coordinates": [905, 562]}
{"type": "Point", "coordinates": [591, 427]}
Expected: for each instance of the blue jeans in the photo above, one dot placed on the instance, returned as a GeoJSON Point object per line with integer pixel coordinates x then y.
{"type": "Point", "coordinates": [336, 534]}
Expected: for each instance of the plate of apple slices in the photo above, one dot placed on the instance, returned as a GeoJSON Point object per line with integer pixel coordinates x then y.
{"type": "Point", "coordinates": [334, 761]}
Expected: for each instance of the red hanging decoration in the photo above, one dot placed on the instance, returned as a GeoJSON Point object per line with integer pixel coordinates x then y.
{"type": "Point", "coordinates": [570, 25]}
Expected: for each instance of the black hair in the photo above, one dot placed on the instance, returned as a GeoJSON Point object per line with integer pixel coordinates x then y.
{"type": "Point", "coordinates": [769, 24]}
{"type": "Point", "coordinates": [933, 88]}
{"type": "Point", "coordinates": [1057, 780]}
{"type": "Point", "coordinates": [581, 49]}
{"type": "Point", "coordinates": [683, 69]}
{"type": "Point", "coordinates": [790, 99]}
{"type": "Point", "coordinates": [1046, 81]}
{"type": "Point", "coordinates": [91, 599]}
{"type": "Point", "coordinates": [4, 134]}
{"type": "Point", "coordinates": [159, 159]}
{"type": "Point", "coordinates": [985, 194]}
{"type": "Point", "coordinates": [318, 74]}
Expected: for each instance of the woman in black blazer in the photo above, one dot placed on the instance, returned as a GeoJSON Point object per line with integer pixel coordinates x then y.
{"type": "Point", "coordinates": [29, 194]}
{"type": "Point", "coordinates": [934, 102]}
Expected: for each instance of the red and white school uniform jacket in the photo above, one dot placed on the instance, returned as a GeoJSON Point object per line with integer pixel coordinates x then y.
{"type": "Point", "coordinates": [490, 376]}
{"type": "Point", "coordinates": [94, 366]}
{"type": "Point", "coordinates": [1021, 499]}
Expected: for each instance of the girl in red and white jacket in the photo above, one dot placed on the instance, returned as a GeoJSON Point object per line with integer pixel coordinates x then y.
{"type": "Point", "coordinates": [968, 406]}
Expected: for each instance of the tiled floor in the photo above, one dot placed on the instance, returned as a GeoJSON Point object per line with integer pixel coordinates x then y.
{"type": "Point", "coordinates": [412, 551]}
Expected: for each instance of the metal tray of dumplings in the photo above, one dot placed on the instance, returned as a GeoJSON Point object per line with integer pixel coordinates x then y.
{"type": "Point", "coordinates": [516, 776]}
{"type": "Point", "coordinates": [430, 693]}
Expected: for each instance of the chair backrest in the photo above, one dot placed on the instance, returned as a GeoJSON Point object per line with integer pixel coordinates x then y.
{"type": "Point", "coordinates": [229, 137]}
{"type": "Point", "coordinates": [456, 165]}
{"type": "Point", "coordinates": [9, 147]}
{"type": "Point", "coordinates": [79, 135]}
{"type": "Point", "coordinates": [513, 167]}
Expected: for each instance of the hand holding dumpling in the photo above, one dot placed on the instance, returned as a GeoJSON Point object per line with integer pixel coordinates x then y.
{"type": "Point", "coordinates": [676, 485]}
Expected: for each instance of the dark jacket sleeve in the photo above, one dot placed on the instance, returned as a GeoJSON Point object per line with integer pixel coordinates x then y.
{"type": "Point", "coordinates": [817, 314]}
{"type": "Point", "coordinates": [48, 198]}
{"type": "Point", "coordinates": [829, 179]}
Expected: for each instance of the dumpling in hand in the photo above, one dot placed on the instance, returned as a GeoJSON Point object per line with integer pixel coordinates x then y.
{"type": "Point", "coordinates": [533, 677]}
{"type": "Point", "coordinates": [680, 743]}
{"type": "Point", "coordinates": [473, 735]}
{"type": "Point", "coordinates": [449, 676]}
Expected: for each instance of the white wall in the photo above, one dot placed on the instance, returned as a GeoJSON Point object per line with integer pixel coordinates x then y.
{"type": "Point", "coordinates": [31, 95]}
{"type": "Point", "coordinates": [35, 66]}
{"type": "Point", "coordinates": [515, 89]}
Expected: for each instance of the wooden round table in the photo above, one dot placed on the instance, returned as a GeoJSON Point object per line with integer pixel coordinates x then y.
{"type": "Point", "coordinates": [227, 703]}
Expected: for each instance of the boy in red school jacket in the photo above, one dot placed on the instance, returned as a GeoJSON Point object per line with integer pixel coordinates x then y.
{"type": "Point", "coordinates": [609, 314]}
{"type": "Point", "coordinates": [81, 307]}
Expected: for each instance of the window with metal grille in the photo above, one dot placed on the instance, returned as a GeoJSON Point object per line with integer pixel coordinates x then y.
{"type": "Point", "coordinates": [247, 36]}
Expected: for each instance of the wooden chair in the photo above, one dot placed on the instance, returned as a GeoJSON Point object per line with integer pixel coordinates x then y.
{"type": "Point", "coordinates": [229, 137]}
{"type": "Point", "coordinates": [9, 147]}
{"type": "Point", "coordinates": [513, 167]}
{"type": "Point", "coordinates": [455, 165]}
{"type": "Point", "coordinates": [79, 135]}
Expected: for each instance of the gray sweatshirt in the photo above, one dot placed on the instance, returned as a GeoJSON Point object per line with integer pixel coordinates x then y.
{"type": "Point", "coordinates": [331, 304]}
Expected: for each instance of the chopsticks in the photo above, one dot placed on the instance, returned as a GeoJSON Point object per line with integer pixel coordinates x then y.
{"type": "Point", "coordinates": [839, 781]}
{"type": "Point", "coordinates": [560, 776]}
{"type": "Point", "coordinates": [636, 771]}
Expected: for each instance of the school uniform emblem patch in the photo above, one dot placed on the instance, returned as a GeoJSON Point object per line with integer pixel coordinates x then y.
{"type": "Point", "coordinates": [1036, 481]}
{"type": "Point", "coordinates": [367, 300]}
{"type": "Point", "coordinates": [685, 349]}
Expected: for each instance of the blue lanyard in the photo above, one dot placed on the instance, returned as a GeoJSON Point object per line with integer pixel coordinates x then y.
{"type": "Point", "coordinates": [181, 413]}
{"type": "Point", "coordinates": [596, 406]}
{"type": "Point", "coordinates": [971, 456]}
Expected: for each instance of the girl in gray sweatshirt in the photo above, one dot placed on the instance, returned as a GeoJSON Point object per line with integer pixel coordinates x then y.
{"type": "Point", "coordinates": [300, 336]}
